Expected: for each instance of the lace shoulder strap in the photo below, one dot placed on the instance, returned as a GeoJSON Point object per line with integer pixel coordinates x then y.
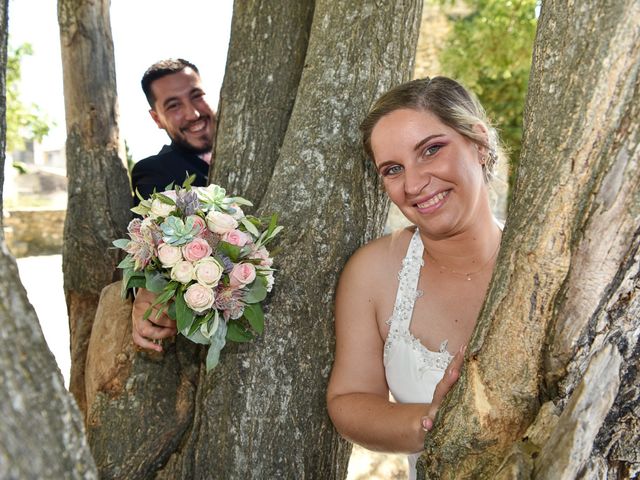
{"type": "Point", "coordinates": [408, 284]}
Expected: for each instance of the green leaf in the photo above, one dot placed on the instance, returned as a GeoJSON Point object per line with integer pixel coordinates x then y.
{"type": "Point", "coordinates": [184, 315]}
{"type": "Point", "coordinates": [121, 243]}
{"type": "Point", "coordinates": [231, 251]}
{"type": "Point", "coordinates": [164, 199]}
{"type": "Point", "coordinates": [257, 291]}
{"type": "Point", "coordinates": [188, 181]}
{"type": "Point", "coordinates": [237, 333]}
{"type": "Point", "coordinates": [254, 315]}
{"type": "Point", "coordinates": [136, 281]}
{"type": "Point", "coordinates": [198, 337]}
{"type": "Point", "coordinates": [251, 228]}
{"type": "Point", "coordinates": [240, 201]}
{"type": "Point", "coordinates": [127, 262]}
{"type": "Point", "coordinates": [155, 281]}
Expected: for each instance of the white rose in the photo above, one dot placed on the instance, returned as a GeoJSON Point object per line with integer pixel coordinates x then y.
{"type": "Point", "coordinates": [182, 272]}
{"type": "Point", "coordinates": [169, 255]}
{"type": "Point", "coordinates": [220, 223]}
{"type": "Point", "coordinates": [208, 272]}
{"type": "Point", "coordinates": [161, 209]}
{"type": "Point", "coordinates": [199, 298]}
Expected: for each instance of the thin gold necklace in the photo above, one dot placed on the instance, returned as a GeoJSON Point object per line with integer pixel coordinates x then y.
{"type": "Point", "coordinates": [467, 274]}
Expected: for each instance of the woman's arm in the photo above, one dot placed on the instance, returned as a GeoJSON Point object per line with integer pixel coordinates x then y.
{"type": "Point", "coordinates": [358, 395]}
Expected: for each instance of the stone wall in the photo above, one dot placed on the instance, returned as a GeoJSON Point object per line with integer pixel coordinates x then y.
{"type": "Point", "coordinates": [30, 232]}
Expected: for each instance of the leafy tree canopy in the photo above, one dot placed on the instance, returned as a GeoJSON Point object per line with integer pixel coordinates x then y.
{"type": "Point", "coordinates": [24, 122]}
{"type": "Point", "coordinates": [489, 51]}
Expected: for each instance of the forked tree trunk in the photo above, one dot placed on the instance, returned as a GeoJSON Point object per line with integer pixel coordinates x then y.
{"type": "Point", "coordinates": [99, 191]}
{"type": "Point", "coordinates": [550, 388]}
{"type": "Point", "coordinates": [261, 413]}
{"type": "Point", "coordinates": [41, 434]}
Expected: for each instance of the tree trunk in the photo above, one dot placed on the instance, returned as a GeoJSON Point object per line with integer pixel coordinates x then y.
{"type": "Point", "coordinates": [99, 191]}
{"type": "Point", "coordinates": [261, 413]}
{"type": "Point", "coordinates": [264, 64]}
{"type": "Point", "coordinates": [550, 387]}
{"type": "Point", "coordinates": [41, 434]}
{"type": "Point", "coordinates": [4, 38]}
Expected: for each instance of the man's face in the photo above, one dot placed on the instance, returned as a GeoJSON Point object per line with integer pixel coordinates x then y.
{"type": "Point", "coordinates": [181, 109]}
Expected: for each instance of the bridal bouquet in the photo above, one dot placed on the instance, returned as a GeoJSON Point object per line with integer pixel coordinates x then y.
{"type": "Point", "coordinates": [206, 260]}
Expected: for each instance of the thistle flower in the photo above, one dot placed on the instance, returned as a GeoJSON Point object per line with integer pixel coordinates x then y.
{"type": "Point", "coordinates": [229, 301]}
{"type": "Point", "coordinates": [187, 202]}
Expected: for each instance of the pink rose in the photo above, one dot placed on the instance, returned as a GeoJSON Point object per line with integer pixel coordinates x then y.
{"type": "Point", "coordinates": [182, 272]}
{"type": "Point", "coordinates": [169, 255]}
{"type": "Point", "coordinates": [242, 274]}
{"type": "Point", "coordinates": [220, 223]}
{"type": "Point", "coordinates": [196, 249]}
{"type": "Point", "coordinates": [263, 255]}
{"type": "Point", "coordinates": [236, 237]}
{"type": "Point", "coordinates": [199, 298]}
{"type": "Point", "coordinates": [208, 272]}
{"type": "Point", "coordinates": [199, 221]}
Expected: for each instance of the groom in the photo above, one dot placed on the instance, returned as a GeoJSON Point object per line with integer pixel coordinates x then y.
{"type": "Point", "coordinates": [179, 107]}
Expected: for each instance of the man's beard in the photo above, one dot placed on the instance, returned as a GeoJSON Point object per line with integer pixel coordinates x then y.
{"type": "Point", "coordinates": [183, 144]}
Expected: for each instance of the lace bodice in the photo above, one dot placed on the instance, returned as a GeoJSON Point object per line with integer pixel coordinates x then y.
{"type": "Point", "coordinates": [411, 369]}
{"type": "Point", "coordinates": [400, 320]}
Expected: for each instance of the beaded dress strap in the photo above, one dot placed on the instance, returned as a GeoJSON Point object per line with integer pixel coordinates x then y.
{"type": "Point", "coordinates": [408, 285]}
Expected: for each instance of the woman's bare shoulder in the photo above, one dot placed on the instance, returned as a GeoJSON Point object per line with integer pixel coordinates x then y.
{"type": "Point", "coordinates": [381, 255]}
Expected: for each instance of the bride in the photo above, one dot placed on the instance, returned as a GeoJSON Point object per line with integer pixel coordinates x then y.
{"type": "Point", "coordinates": [407, 303]}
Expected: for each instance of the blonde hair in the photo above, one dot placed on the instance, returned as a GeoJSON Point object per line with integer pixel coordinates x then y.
{"type": "Point", "coordinates": [447, 100]}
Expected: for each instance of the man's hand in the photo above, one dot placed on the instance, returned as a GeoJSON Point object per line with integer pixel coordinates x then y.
{"type": "Point", "coordinates": [156, 327]}
{"type": "Point", "coordinates": [451, 375]}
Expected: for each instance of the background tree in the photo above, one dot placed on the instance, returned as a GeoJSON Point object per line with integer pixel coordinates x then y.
{"type": "Point", "coordinates": [41, 434]}
{"type": "Point", "coordinates": [550, 387]}
{"type": "Point", "coordinates": [489, 51]}
{"type": "Point", "coordinates": [23, 121]}
{"type": "Point", "coordinates": [261, 414]}
{"type": "Point", "coordinates": [99, 191]}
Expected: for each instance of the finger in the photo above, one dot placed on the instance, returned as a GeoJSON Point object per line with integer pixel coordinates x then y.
{"type": "Point", "coordinates": [147, 329]}
{"type": "Point", "coordinates": [451, 375]}
{"type": "Point", "coordinates": [144, 343]}
{"type": "Point", "coordinates": [162, 320]}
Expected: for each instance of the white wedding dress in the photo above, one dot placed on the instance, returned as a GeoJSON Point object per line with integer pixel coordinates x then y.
{"type": "Point", "coordinates": [412, 370]}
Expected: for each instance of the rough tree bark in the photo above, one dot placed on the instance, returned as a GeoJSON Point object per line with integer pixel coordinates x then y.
{"type": "Point", "coordinates": [269, 397]}
{"type": "Point", "coordinates": [99, 191]}
{"type": "Point", "coordinates": [264, 64]}
{"type": "Point", "coordinates": [261, 413]}
{"type": "Point", "coordinates": [4, 38]}
{"type": "Point", "coordinates": [41, 434]}
{"type": "Point", "coordinates": [550, 388]}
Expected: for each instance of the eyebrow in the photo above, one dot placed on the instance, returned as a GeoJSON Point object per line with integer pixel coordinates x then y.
{"type": "Point", "coordinates": [427, 139]}
{"type": "Point", "coordinates": [416, 147]}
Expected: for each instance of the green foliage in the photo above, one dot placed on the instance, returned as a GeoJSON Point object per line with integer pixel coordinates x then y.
{"type": "Point", "coordinates": [489, 51]}
{"type": "Point", "coordinates": [23, 121]}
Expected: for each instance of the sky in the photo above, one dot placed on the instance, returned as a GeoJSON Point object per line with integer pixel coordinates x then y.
{"type": "Point", "coordinates": [144, 31]}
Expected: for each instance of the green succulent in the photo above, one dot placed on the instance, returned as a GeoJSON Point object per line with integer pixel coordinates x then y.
{"type": "Point", "coordinates": [176, 232]}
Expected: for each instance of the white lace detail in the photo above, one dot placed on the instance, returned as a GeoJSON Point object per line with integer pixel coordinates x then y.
{"type": "Point", "coordinates": [400, 319]}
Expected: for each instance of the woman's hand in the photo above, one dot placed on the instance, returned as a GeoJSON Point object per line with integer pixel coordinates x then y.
{"type": "Point", "coordinates": [451, 375]}
{"type": "Point", "coordinates": [156, 327]}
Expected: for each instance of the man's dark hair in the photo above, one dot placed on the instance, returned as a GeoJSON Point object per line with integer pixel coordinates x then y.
{"type": "Point", "coordinates": [161, 69]}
